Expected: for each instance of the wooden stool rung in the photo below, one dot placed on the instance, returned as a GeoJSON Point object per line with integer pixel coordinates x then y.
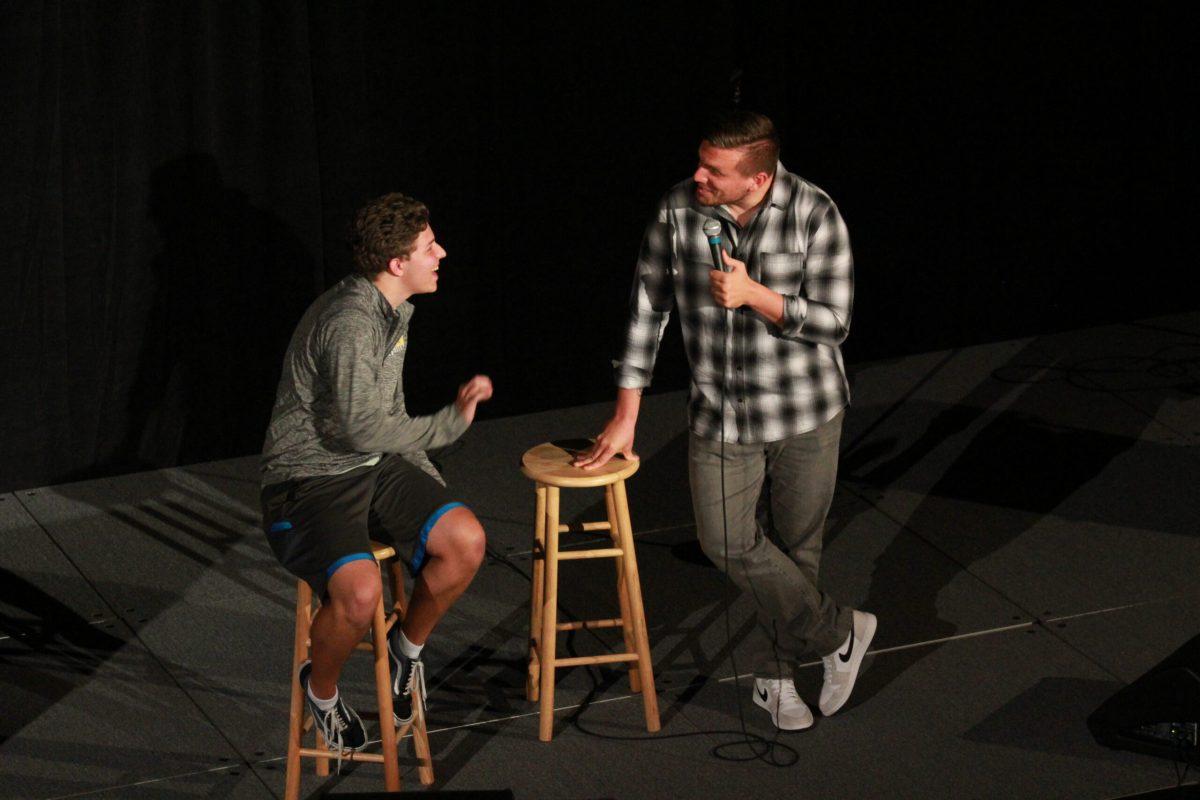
{"type": "Point", "coordinates": [604, 552]}
{"type": "Point", "coordinates": [583, 527]}
{"type": "Point", "coordinates": [611, 658]}
{"type": "Point", "coordinates": [312, 752]}
{"type": "Point", "coordinates": [588, 624]}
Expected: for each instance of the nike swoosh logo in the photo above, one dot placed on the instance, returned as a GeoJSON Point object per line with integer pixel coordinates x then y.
{"type": "Point", "coordinates": [845, 657]}
{"type": "Point", "coordinates": [763, 694]}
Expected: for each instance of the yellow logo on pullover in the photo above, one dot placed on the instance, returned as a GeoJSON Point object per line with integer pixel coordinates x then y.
{"type": "Point", "coordinates": [403, 340]}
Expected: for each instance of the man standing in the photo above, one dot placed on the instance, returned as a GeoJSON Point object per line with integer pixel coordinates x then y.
{"type": "Point", "coordinates": [344, 463]}
{"type": "Point", "coordinates": [768, 389]}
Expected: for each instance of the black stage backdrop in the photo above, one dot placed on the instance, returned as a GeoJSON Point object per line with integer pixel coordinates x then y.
{"type": "Point", "coordinates": [177, 178]}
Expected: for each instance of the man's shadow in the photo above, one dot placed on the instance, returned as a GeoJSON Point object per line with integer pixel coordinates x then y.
{"type": "Point", "coordinates": [231, 281]}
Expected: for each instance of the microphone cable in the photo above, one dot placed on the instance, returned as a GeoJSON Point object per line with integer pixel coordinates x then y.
{"type": "Point", "coordinates": [761, 749]}
{"type": "Point", "coordinates": [772, 752]}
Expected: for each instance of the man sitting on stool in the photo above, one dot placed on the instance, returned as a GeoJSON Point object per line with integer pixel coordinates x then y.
{"type": "Point", "coordinates": [344, 463]}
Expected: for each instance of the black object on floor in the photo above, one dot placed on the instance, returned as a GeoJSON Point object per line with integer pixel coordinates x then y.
{"type": "Point", "coordinates": [482, 794]}
{"type": "Point", "coordinates": [1189, 792]}
{"type": "Point", "coordinates": [1159, 713]}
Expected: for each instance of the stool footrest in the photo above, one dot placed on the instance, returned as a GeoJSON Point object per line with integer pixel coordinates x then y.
{"type": "Point", "coordinates": [608, 659]}
{"type": "Point", "coordinates": [312, 752]}
{"type": "Point", "coordinates": [605, 552]}
{"type": "Point", "coordinates": [584, 527]}
{"type": "Point", "coordinates": [588, 624]}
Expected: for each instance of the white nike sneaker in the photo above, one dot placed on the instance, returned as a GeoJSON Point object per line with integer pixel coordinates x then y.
{"type": "Point", "coordinates": [841, 666]}
{"type": "Point", "coordinates": [788, 711]}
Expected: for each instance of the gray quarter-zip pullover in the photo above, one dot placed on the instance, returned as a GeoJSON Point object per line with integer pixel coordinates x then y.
{"type": "Point", "coordinates": [340, 402]}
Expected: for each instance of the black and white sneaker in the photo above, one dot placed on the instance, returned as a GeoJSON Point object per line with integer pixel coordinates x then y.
{"type": "Point", "coordinates": [778, 696]}
{"type": "Point", "coordinates": [340, 726]}
{"type": "Point", "coordinates": [407, 674]}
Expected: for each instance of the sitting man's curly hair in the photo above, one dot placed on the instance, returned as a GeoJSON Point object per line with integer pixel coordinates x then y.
{"type": "Point", "coordinates": [386, 228]}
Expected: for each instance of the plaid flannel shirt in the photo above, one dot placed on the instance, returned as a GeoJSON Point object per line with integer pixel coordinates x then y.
{"type": "Point", "coordinates": [781, 380]}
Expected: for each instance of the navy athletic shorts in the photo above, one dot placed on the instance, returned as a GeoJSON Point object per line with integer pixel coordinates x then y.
{"type": "Point", "coordinates": [315, 525]}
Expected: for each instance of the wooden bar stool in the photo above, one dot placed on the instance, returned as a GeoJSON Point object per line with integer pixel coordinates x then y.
{"type": "Point", "coordinates": [549, 467]}
{"type": "Point", "coordinates": [300, 720]}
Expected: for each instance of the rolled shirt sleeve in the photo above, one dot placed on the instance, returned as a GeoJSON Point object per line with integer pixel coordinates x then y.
{"type": "Point", "coordinates": [650, 305]}
{"type": "Point", "coordinates": [821, 311]}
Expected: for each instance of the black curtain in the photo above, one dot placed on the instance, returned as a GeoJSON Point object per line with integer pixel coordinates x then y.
{"type": "Point", "coordinates": [177, 179]}
{"type": "Point", "coordinates": [162, 228]}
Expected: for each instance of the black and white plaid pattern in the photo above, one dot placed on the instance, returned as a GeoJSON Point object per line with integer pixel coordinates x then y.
{"type": "Point", "coordinates": [783, 380]}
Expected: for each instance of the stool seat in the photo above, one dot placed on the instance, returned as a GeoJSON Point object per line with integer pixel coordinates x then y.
{"type": "Point", "coordinates": [381, 551]}
{"type": "Point", "coordinates": [550, 463]}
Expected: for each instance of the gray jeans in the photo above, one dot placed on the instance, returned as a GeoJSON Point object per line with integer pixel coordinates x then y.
{"type": "Point", "coordinates": [796, 618]}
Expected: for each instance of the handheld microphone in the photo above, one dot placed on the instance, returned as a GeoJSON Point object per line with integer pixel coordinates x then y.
{"type": "Point", "coordinates": [712, 229]}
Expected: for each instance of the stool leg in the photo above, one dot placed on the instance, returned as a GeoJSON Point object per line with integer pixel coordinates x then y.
{"type": "Point", "coordinates": [417, 725]}
{"type": "Point", "coordinates": [635, 683]}
{"type": "Point", "coordinates": [538, 559]}
{"type": "Point", "coordinates": [296, 710]}
{"type": "Point", "coordinates": [383, 695]}
{"type": "Point", "coordinates": [646, 667]}
{"type": "Point", "coordinates": [420, 737]}
{"type": "Point", "coordinates": [322, 763]}
{"type": "Point", "coordinates": [399, 599]}
{"type": "Point", "coordinates": [549, 616]}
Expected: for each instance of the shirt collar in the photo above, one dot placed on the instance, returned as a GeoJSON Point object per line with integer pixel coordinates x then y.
{"type": "Point", "coordinates": [778, 196]}
{"type": "Point", "coordinates": [401, 312]}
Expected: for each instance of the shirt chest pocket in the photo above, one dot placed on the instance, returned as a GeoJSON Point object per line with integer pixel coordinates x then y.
{"type": "Point", "coordinates": [783, 272]}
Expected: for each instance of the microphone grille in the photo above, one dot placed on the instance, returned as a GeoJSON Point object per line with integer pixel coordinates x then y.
{"type": "Point", "coordinates": [712, 228]}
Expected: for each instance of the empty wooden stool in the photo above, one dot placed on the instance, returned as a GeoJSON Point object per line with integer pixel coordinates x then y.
{"type": "Point", "coordinates": [549, 466]}
{"type": "Point", "coordinates": [301, 720]}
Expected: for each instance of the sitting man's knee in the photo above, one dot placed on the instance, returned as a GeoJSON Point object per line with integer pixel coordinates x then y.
{"type": "Point", "coordinates": [463, 541]}
{"type": "Point", "coordinates": [474, 544]}
{"type": "Point", "coordinates": [357, 597]}
{"type": "Point", "coordinates": [366, 599]}
{"type": "Point", "coordinates": [469, 541]}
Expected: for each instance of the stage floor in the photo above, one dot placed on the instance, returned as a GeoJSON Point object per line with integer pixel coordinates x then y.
{"type": "Point", "coordinates": [1022, 517]}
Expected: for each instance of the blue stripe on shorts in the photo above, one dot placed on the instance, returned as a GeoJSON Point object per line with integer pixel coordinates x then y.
{"type": "Point", "coordinates": [418, 558]}
{"type": "Point", "coordinates": [346, 560]}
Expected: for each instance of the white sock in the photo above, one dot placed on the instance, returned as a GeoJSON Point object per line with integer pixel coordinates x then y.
{"type": "Point", "coordinates": [324, 705]}
{"type": "Point", "coordinates": [409, 649]}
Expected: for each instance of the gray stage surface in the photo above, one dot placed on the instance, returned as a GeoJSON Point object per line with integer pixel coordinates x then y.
{"type": "Point", "coordinates": [1021, 516]}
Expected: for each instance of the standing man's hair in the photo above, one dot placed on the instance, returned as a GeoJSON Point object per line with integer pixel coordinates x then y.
{"type": "Point", "coordinates": [386, 228]}
{"type": "Point", "coordinates": [754, 132]}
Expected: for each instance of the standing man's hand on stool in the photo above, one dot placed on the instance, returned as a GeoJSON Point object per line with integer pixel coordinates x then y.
{"type": "Point", "coordinates": [617, 436]}
{"type": "Point", "coordinates": [472, 393]}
